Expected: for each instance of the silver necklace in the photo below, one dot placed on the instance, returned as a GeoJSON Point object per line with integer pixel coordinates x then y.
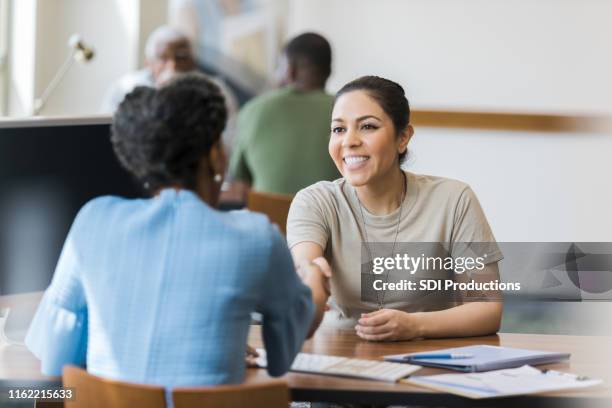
{"type": "Point", "coordinates": [381, 301]}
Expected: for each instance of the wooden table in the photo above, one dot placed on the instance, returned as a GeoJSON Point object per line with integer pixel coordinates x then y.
{"type": "Point", "coordinates": [591, 356]}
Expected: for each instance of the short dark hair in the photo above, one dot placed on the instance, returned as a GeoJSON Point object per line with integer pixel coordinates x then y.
{"type": "Point", "coordinates": [160, 136]}
{"type": "Point", "coordinates": [389, 95]}
{"type": "Point", "coordinates": [313, 49]}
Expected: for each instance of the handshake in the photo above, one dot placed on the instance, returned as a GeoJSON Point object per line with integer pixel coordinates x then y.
{"type": "Point", "coordinates": [315, 272]}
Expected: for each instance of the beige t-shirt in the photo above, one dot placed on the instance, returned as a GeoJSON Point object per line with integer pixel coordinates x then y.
{"type": "Point", "coordinates": [435, 210]}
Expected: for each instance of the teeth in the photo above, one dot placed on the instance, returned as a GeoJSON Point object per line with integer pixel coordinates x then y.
{"type": "Point", "coordinates": [354, 159]}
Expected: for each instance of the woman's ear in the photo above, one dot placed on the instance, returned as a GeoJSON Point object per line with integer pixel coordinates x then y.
{"type": "Point", "coordinates": [404, 139]}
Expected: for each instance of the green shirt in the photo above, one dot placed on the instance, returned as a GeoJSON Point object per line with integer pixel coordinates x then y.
{"type": "Point", "coordinates": [282, 139]}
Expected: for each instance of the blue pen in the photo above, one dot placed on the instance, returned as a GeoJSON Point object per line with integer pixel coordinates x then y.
{"type": "Point", "coordinates": [442, 356]}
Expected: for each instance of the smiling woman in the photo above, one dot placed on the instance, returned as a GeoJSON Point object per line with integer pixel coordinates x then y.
{"type": "Point", "coordinates": [370, 134]}
{"type": "Point", "coordinates": [377, 202]}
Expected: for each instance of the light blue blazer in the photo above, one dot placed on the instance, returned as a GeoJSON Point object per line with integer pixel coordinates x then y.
{"type": "Point", "coordinates": [160, 291]}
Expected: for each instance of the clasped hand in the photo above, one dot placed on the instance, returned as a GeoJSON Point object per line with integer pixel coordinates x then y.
{"type": "Point", "coordinates": [317, 270]}
{"type": "Point", "coordinates": [388, 325]}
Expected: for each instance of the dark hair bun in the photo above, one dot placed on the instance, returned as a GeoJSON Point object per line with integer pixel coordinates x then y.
{"type": "Point", "coordinates": [160, 136]}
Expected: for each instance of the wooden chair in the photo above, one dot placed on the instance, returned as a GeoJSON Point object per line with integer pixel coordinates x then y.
{"type": "Point", "coordinates": [271, 394]}
{"type": "Point", "coordinates": [91, 391]}
{"type": "Point", "coordinates": [275, 206]}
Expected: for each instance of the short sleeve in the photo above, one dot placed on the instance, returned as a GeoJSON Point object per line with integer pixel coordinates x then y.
{"type": "Point", "coordinates": [471, 234]}
{"type": "Point", "coordinates": [58, 333]}
{"type": "Point", "coordinates": [306, 221]}
{"type": "Point", "coordinates": [286, 306]}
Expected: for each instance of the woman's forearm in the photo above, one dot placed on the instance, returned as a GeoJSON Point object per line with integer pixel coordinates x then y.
{"type": "Point", "coordinates": [313, 274]}
{"type": "Point", "coordinates": [470, 319]}
{"type": "Point", "coordinates": [319, 298]}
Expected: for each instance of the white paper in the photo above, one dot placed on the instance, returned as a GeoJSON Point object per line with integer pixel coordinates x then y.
{"type": "Point", "coordinates": [515, 381]}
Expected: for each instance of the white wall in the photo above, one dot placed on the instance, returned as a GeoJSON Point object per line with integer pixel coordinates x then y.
{"type": "Point", "coordinates": [103, 25]}
{"type": "Point", "coordinates": [521, 55]}
{"type": "Point", "coordinates": [542, 55]}
{"type": "Point", "coordinates": [116, 29]}
{"type": "Point", "coordinates": [533, 186]}
{"type": "Point", "coordinates": [152, 14]}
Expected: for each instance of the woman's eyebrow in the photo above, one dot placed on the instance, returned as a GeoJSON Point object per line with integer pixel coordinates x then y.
{"type": "Point", "coordinates": [361, 118]}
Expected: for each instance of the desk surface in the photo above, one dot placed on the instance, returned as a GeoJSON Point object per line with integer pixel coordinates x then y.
{"type": "Point", "coordinates": [590, 356]}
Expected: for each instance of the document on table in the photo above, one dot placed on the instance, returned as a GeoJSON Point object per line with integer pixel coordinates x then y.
{"type": "Point", "coordinates": [482, 358]}
{"type": "Point", "coordinates": [345, 367]}
{"type": "Point", "coordinates": [502, 383]}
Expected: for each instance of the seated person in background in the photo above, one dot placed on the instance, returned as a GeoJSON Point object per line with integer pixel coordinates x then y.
{"type": "Point", "coordinates": [161, 290]}
{"type": "Point", "coordinates": [168, 52]}
{"type": "Point", "coordinates": [378, 202]}
{"type": "Point", "coordinates": [282, 135]}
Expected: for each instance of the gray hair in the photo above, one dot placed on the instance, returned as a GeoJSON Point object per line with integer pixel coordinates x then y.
{"type": "Point", "coordinates": [159, 38]}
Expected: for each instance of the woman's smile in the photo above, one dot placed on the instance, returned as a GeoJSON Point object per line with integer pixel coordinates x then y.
{"type": "Point", "coordinates": [355, 162]}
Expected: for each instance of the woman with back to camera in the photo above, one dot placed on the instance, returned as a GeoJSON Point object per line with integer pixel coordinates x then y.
{"type": "Point", "coordinates": [378, 202]}
{"type": "Point", "coordinates": [160, 290]}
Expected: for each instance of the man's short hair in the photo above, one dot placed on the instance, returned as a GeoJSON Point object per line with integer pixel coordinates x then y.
{"type": "Point", "coordinates": [312, 49]}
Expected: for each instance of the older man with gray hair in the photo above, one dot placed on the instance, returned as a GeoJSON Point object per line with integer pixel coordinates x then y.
{"type": "Point", "coordinates": [168, 52]}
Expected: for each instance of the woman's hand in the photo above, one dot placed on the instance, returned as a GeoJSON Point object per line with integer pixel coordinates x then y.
{"type": "Point", "coordinates": [316, 273]}
{"type": "Point", "coordinates": [389, 325]}
{"type": "Point", "coordinates": [321, 264]}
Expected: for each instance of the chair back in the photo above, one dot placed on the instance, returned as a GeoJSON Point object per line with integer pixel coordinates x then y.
{"type": "Point", "coordinates": [275, 206]}
{"type": "Point", "coordinates": [269, 394]}
{"type": "Point", "coordinates": [91, 391]}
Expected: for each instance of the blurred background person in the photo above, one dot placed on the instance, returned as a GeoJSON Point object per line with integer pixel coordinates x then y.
{"type": "Point", "coordinates": [282, 135]}
{"type": "Point", "coordinates": [237, 40]}
{"type": "Point", "coordinates": [168, 52]}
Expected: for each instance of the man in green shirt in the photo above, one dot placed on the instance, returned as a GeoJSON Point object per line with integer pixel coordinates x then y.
{"type": "Point", "coordinates": [282, 135]}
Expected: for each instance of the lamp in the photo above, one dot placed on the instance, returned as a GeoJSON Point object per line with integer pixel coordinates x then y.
{"type": "Point", "coordinates": [79, 52]}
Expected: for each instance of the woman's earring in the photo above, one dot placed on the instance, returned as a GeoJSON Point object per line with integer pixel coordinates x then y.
{"type": "Point", "coordinates": [218, 178]}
